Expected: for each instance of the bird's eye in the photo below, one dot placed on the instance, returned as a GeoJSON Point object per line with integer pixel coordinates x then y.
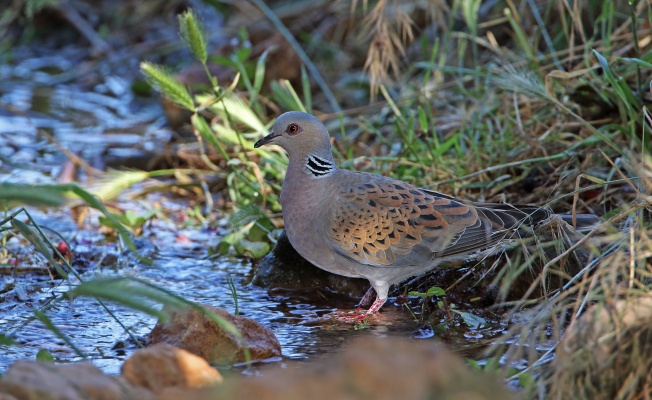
{"type": "Point", "coordinates": [293, 129]}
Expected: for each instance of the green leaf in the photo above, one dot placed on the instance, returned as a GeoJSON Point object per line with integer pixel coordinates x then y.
{"type": "Point", "coordinates": [450, 142]}
{"type": "Point", "coordinates": [104, 221]}
{"type": "Point", "coordinates": [435, 291]}
{"type": "Point", "coordinates": [7, 341]}
{"type": "Point", "coordinates": [225, 61]}
{"type": "Point", "coordinates": [222, 248]}
{"type": "Point", "coordinates": [260, 230]}
{"type": "Point", "coordinates": [192, 33]}
{"type": "Point", "coordinates": [432, 292]}
{"type": "Point", "coordinates": [526, 380]}
{"type": "Point", "coordinates": [619, 84]}
{"type": "Point", "coordinates": [472, 320]}
{"type": "Point", "coordinates": [44, 356]}
{"type": "Point", "coordinates": [239, 110]}
{"type": "Point", "coordinates": [423, 120]}
{"type": "Point", "coordinates": [129, 292]}
{"type": "Point", "coordinates": [113, 183]}
{"type": "Point", "coordinates": [252, 249]}
{"type": "Point", "coordinates": [245, 215]}
{"type": "Point", "coordinates": [242, 54]}
{"type": "Point", "coordinates": [129, 218]}
{"type": "Point", "coordinates": [259, 75]}
{"type": "Point", "coordinates": [285, 95]}
{"type": "Point", "coordinates": [638, 61]}
{"type": "Point", "coordinates": [475, 366]}
{"type": "Point", "coordinates": [36, 195]}
{"type": "Point", "coordinates": [168, 85]}
{"type": "Point", "coordinates": [470, 13]}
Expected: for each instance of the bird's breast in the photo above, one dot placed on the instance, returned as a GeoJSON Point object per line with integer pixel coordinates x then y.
{"type": "Point", "coordinates": [306, 216]}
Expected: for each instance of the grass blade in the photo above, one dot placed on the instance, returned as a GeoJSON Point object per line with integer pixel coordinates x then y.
{"type": "Point", "coordinates": [45, 320]}
{"type": "Point", "coordinates": [40, 245]}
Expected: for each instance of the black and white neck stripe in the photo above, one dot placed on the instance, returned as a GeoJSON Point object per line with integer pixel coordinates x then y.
{"type": "Point", "coordinates": [318, 167]}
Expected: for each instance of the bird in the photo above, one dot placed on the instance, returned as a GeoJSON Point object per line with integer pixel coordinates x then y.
{"type": "Point", "coordinates": [385, 230]}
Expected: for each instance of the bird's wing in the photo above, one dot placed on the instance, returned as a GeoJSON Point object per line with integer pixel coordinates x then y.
{"type": "Point", "coordinates": [388, 223]}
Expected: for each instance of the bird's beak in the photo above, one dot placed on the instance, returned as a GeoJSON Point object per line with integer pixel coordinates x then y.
{"type": "Point", "coordinates": [266, 139]}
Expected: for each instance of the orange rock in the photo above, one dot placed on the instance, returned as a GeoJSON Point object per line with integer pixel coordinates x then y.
{"type": "Point", "coordinates": [33, 380]}
{"type": "Point", "coordinates": [162, 366]}
{"type": "Point", "coordinates": [190, 330]}
{"type": "Point", "coordinates": [372, 368]}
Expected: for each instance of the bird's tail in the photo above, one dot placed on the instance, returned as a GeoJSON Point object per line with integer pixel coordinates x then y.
{"type": "Point", "coordinates": [583, 222]}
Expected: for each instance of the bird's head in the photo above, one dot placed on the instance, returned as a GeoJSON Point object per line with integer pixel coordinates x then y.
{"type": "Point", "coordinates": [300, 134]}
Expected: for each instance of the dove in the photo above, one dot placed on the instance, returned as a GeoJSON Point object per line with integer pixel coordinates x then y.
{"type": "Point", "coordinates": [364, 225]}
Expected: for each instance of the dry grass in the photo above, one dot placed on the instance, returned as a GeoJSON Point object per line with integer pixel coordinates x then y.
{"type": "Point", "coordinates": [598, 324]}
{"type": "Point", "coordinates": [390, 28]}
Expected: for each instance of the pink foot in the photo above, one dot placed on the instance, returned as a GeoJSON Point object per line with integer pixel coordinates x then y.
{"type": "Point", "coordinates": [350, 316]}
{"type": "Point", "coordinates": [358, 315]}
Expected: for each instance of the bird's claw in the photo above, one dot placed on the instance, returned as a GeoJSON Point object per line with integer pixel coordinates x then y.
{"type": "Point", "coordinates": [355, 316]}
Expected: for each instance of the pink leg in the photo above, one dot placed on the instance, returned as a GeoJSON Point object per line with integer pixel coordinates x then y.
{"type": "Point", "coordinates": [376, 306]}
{"type": "Point", "coordinates": [377, 288]}
{"type": "Point", "coordinates": [367, 298]}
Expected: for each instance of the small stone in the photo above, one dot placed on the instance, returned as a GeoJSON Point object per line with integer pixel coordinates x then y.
{"type": "Point", "coordinates": [192, 331]}
{"type": "Point", "coordinates": [33, 380]}
{"type": "Point", "coordinates": [162, 365]}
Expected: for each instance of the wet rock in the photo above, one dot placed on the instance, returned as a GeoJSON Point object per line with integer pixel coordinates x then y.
{"type": "Point", "coordinates": [33, 380]}
{"type": "Point", "coordinates": [373, 368]}
{"type": "Point", "coordinates": [284, 268]}
{"type": "Point", "coordinates": [190, 330]}
{"type": "Point", "coordinates": [162, 366]}
{"type": "Point", "coordinates": [607, 349]}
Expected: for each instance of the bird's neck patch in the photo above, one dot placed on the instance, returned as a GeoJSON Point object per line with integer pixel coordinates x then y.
{"type": "Point", "coordinates": [318, 167]}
